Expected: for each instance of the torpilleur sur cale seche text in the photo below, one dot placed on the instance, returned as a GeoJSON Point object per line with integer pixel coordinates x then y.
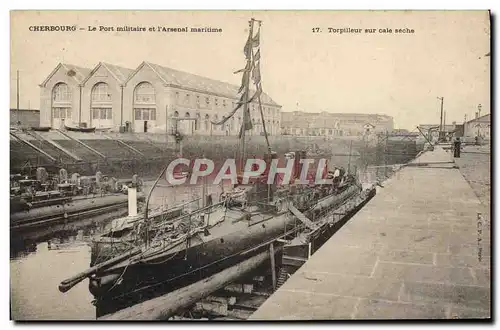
{"type": "Point", "coordinates": [186, 29]}
{"type": "Point", "coordinates": [355, 31]}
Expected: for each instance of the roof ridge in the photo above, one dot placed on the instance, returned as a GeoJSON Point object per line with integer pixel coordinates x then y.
{"type": "Point", "coordinates": [117, 66]}
{"type": "Point", "coordinates": [194, 74]}
{"type": "Point", "coordinates": [75, 66]}
{"type": "Point", "coordinates": [271, 101]}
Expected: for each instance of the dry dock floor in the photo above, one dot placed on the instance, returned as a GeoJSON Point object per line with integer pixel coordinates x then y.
{"type": "Point", "coordinates": [416, 251]}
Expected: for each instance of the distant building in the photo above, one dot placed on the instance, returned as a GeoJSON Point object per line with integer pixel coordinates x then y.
{"type": "Point", "coordinates": [459, 130]}
{"type": "Point", "coordinates": [479, 126]}
{"type": "Point", "coordinates": [368, 128]}
{"type": "Point", "coordinates": [151, 98]}
{"type": "Point", "coordinates": [334, 124]}
{"type": "Point", "coordinates": [446, 128]}
{"type": "Point", "coordinates": [25, 117]}
{"type": "Point", "coordinates": [432, 130]}
{"type": "Point", "coordinates": [404, 133]}
{"type": "Point", "coordinates": [400, 131]}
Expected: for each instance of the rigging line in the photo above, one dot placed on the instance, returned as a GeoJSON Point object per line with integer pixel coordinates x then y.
{"type": "Point", "coordinates": [210, 264]}
{"type": "Point", "coordinates": [176, 243]}
{"type": "Point", "coordinates": [263, 124]}
{"type": "Point", "coordinates": [120, 278]}
{"type": "Point", "coordinates": [146, 219]}
{"type": "Point", "coordinates": [162, 262]}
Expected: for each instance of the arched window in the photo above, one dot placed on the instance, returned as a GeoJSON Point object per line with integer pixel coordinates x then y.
{"type": "Point", "coordinates": [61, 93]}
{"type": "Point", "coordinates": [197, 122]}
{"type": "Point", "coordinates": [61, 105]}
{"type": "Point", "coordinates": [223, 127]}
{"type": "Point", "coordinates": [101, 93]}
{"type": "Point", "coordinates": [101, 105]}
{"type": "Point", "coordinates": [207, 123]}
{"type": "Point", "coordinates": [187, 124]}
{"type": "Point", "coordinates": [144, 106]}
{"type": "Point", "coordinates": [145, 93]}
{"type": "Point", "coordinates": [176, 114]}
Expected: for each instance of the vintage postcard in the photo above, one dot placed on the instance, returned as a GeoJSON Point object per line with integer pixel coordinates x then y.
{"type": "Point", "coordinates": [250, 165]}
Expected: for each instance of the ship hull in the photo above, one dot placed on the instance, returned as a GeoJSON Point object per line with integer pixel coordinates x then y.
{"type": "Point", "coordinates": [170, 271]}
{"type": "Point", "coordinates": [72, 211]}
{"type": "Point", "coordinates": [174, 270]}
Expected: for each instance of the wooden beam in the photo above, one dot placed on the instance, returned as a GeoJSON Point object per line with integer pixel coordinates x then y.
{"type": "Point", "coordinates": [210, 307]}
{"type": "Point", "coordinates": [126, 145]}
{"type": "Point", "coordinates": [81, 143]}
{"type": "Point", "coordinates": [273, 265]}
{"type": "Point", "coordinates": [31, 145]}
{"type": "Point", "coordinates": [223, 300]}
{"type": "Point", "coordinates": [54, 144]}
{"type": "Point", "coordinates": [167, 305]}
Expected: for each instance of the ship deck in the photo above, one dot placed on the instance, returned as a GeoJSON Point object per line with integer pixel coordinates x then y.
{"type": "Point", "coordinates": [413, 252]}
{"type": "Point", "coordinates": [223, 222]}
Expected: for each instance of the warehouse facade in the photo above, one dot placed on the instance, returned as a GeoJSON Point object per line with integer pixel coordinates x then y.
{"type": "Point", "coordinates": [302, 123]}
{"type": "Point", "coordinates": [151, 99]}
{"type": "Point", "coordinates": [479, 126]}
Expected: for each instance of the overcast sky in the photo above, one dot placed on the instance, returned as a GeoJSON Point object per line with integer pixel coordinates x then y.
{"type": "Point", "coordinates": [400, 75]}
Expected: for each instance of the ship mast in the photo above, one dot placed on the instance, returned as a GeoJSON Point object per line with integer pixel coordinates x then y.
{"type": "Point", "coordinates": [245, 96]}
{"type": "Point", "coordinates": [262, 112]}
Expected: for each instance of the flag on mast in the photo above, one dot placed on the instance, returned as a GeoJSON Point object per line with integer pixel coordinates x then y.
{"type": "Point", "coordinates": [257, 93]}
{"type": "Point", "coordinates": [256, 56]}
{"type": "Point", "coordinates": [244, 79]}
{"type": "Point", "coordinates": [247, 122]}
{"type": "Point", "coordinates": [256, 73]}
{"type": "Point", "coordinates": [256, 39]}
{"type": "Point", "coordinates": [246, 69]}
{"type": "Point", "coordinates": [252, 41]}
{"type": "Point", "coordinates": [248, 48]}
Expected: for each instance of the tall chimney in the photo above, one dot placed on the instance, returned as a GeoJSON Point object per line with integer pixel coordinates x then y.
{"type": "Point", "coordinates": [477, 115]}
{"type": "Point", "coordinates": [132, 202]}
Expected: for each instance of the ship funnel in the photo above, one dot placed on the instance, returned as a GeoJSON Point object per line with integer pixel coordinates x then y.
{"type": "Point", "coordinates": [132, 202]}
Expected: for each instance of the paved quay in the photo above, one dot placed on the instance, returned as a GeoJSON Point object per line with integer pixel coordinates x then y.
{"type": "Point", "coordinates": [417, 250]}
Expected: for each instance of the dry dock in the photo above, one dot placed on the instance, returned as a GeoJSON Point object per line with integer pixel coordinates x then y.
{"type": "Point", "coordinates": [419, 250]}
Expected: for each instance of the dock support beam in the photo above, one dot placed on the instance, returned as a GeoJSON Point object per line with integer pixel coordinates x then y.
{"type": "Point", "coordinates": [81, 143]}
{"type": "Point", "coordinates": [169, 304]}
{"type": "Point", "coordinates": [124, 144]}
{"type": "Point", "coordinates": [29, 144]}
{"type": "Point", "coordinates": [273, 265]}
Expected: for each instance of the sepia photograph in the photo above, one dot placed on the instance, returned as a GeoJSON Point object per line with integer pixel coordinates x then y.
{"type": "Point", "coordinates": [246, 165]}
